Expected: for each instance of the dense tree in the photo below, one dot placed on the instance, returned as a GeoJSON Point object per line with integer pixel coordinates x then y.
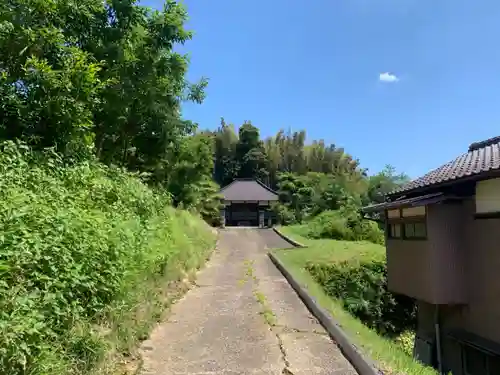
{"type": "Point", "coordinates": [384, 182]}
{"type": "Point", "coordinates": [251, 154]}
{"type": "Point", "coordinates": [289, 153]}
{"type": "Point", "coordinates": [310, 178]}
{"type": "Point", "coordinates": [94, 74]}
{"type": "Point", "coordinates": [308, 195]}
{"type": "Point", "coordinates": [226, 166]}
{"type": "Point", "coordinates": [188, 176]}
{"type": "Point", "coordinates": [139, 117]}
{"type": "Point", "coordinates": [102, 77]}
{"type": "Point", "coordinates": [49, 86]}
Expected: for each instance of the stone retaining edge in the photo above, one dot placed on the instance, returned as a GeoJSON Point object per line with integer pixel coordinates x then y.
{"type": "Point", "coordinates": [363, 366]}
{"type": "Point", "coordinates": [288, 239]}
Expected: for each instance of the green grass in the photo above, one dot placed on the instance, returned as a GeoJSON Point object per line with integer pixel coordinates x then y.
{"type": "Point", "coordinates": [389, 356]}
{"type": "Point", "coordinates": [189, 242]}
{"type": "Point", "coordinates": [334, 251]}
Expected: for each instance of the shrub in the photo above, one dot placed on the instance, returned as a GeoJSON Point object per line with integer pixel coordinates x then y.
{"type": "Point", "coordinates": [78, 244]}
{"type": "Point", "coordinates": [330, 224]}
{"type": "Point", "coordinates": [369, 231]}
{"type": "Point", "coordinates": [343, 224]}
{"type": "Point", "coordinates": [362, 288]}
{"type": "Point", "coordinates": [407, 341]}
{"type": "Point", "coordinates": [284, 215]}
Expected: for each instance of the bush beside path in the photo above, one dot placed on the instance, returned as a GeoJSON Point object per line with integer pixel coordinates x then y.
{"type": "Point", "coordinates": [90, 257]}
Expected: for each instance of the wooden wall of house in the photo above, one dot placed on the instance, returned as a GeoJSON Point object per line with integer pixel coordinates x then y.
{"type": "Point", "coordinates": [482, 313]}
{"type": "Point", "coordinates": [446, 233]}
{"type": "Point", "coordinates": [431, 270]}
{"type": "Point", "coordinates": [479, 244]}
{"type": "Point", "coordinates": [409, 268]}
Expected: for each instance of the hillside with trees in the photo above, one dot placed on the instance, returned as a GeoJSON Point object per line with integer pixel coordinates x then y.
{"type": "Point", "coordinates": [103, 182]}
{"type": "Point", "coordinates": [94, 158]}
{"type": "Point", "coordinates": [317, 182]}
{"type": "Point", "coordinates": [102, 80]}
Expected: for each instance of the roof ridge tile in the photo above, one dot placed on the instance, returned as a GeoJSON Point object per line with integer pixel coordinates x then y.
{"type": "Point", "coordinates": [482, 144]}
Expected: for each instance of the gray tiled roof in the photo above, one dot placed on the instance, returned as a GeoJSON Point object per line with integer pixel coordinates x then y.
{"type": "Point", "coordinates": [248, 190]}
{"type": "Point", "coordinates": [481, 157]}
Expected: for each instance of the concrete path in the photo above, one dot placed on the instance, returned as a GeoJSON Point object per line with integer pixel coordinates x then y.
{"type": "Point", "coordinates": [241, 318]}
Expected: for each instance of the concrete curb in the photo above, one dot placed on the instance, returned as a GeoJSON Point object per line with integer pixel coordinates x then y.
{"type": "Point", "coordinates": [288, 239]}
{"type": "Point", "coordinates": [362, 365]}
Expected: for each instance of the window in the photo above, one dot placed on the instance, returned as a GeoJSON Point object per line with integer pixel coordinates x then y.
{"type": "Point", "coordinates": [488, 196]}
{"type": "Point", "coordinates": [477, 362]}
{"type": "Point", "coordinates": [394, 230]}
{"type": "Point", "coordinates": [407, 223]}
{"type": "Point", "coordinates": [409, 230]}
{"type": "Point", "coordinates": [415, 230]}
{"type": "Point", "coordinates": [392, 214]}
{"type": "Point", "coordinates": [413, 211]}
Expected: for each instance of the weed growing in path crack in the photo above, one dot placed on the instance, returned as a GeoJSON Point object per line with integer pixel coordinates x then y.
{"type": "Point", "coordinates": [266, 312]}
{"type": "Point", "coordinates": [250, 269]}
{"type": "Point", "coordinates": [249, 272]}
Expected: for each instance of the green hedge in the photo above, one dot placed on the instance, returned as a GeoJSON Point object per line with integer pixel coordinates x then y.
{"type": "Point", "coordinates": [81, 247]}
{"type": "Point", "coordinates": [362, 288]}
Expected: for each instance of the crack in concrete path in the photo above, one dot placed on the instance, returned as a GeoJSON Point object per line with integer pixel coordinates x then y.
{"type": "Point", "coordinates": [266, 312]}
{"type": "Point", "coordinates": [286, 329]}
{"type": "Point", "coordinates": [305, 346]}
{"type": "Point", "coordinates": [286, 368]}
{"type": "Point", "coordinates": [272, 325]}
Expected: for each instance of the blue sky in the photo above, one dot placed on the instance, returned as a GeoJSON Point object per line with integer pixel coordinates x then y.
{"type": "Point", "coordinates": [317, 66]}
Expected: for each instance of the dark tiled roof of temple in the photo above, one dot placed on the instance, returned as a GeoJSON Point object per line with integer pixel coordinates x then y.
{"type": "Point", "coordinates": [248, 190]}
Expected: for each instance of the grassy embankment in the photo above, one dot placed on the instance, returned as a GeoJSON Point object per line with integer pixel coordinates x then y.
{"type": "Point", "coordinates": [90, 258]}
{"type": "Point", "coordinates": [388, 354]}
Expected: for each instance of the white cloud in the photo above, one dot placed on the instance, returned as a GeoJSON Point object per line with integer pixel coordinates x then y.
{"type": "Point", "coordinates": [388, 77]}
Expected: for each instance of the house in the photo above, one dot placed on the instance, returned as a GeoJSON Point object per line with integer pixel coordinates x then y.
{"type": "Point", "coordinates": [247, 202]}
{"type": "Point", "coordinates": [443, 250]}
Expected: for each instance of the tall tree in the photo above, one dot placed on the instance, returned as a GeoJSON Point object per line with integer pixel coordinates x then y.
{"type": "Point", "coordinates": [190, 170]}
{"type": "Point", "coordinates": [226, 166]}
{"type": "Point", "coordinates": [140, 113]}
{"type": "Point", "coordinates": [289, 153]}
{"type": "Point", "coordinates": [273, 152]}
{"type": "Point", "coordinates": [251, 154]}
